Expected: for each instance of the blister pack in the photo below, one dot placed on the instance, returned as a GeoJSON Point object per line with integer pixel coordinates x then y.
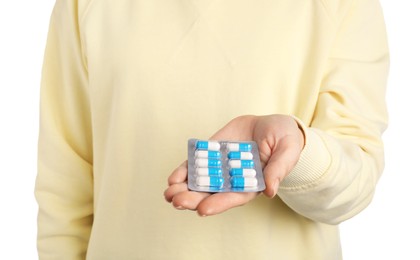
{"type": "Point", "coordinates": [224, 166]}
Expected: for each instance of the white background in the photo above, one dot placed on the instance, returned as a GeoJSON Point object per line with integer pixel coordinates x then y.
{"type": "Point", "coordinates": [388, 229]}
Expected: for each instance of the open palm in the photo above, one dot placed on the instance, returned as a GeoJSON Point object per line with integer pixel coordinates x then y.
{"type": "Point", "coordinates": [280, 142]}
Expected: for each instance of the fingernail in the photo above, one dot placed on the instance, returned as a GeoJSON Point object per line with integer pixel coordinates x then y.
{"type": "Point", "coordinates": [201, 215]}
{"type": "Point", "coordinates": [179, 207]}
{"type": "Point", "coordinates": [275, 188]}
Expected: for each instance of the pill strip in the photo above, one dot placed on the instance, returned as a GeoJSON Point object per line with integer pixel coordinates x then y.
{"type": "Point", "coordinates": [222, 166]}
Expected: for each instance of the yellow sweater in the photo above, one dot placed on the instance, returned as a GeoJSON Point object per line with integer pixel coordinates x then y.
{"type": "Point", "coordinates": [127, 82]}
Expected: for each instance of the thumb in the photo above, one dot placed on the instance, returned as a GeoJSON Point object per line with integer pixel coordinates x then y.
{"type": "Point", "coordinates": [239, 129]}
{"type": "Point", "coordinates": [283, 159]}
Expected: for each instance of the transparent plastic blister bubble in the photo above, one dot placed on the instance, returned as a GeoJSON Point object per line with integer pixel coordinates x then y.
{"type": "Point", "coordinates": [224, 166]}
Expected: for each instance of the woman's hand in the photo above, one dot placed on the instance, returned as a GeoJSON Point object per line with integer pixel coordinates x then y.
{"type": "Point", "coordinates": [280, 142]}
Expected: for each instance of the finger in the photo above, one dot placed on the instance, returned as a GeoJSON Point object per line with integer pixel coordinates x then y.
{"type": "Point", "coordinates": [189, 199]}
{"type": "Point", "coordinates": [174, 189]}
{"type": "Point", "coordinates": [238, 129]}
{"type": "Point", "coordinates": [179, 175]}
{"type": "Point", "coordinates": [221, 202]}
{"type": "Point", "coordinates": [265, 153]}
{"type": "Point", "coordinates": [282, 161]}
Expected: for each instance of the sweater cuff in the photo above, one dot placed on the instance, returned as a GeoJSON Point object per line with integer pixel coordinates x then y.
{"type": "Point", "coordinates": [314, 161]}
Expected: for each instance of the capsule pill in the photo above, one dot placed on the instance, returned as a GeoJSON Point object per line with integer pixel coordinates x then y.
{"type": "Point", "coordinates": [204, 163]}
{"type": "Point", "coordinates": [209, 181]}
{"type": "Point", "coordinates": [209, 171]}
{"type": "Point", "coordinates": [208, 145]}
{"type": "Point", "coordinates": [239, 147]}
{"type": "Point", "coordinates": [207, 154]}
{"type": "Point", "coordinates": [240, 172]}
{"type": "Point", "coordinates": [241, 182]}
{"type": "Point", "coordinates": [241, 163]}
{"type": "Point", "coordinates": [240, 155]}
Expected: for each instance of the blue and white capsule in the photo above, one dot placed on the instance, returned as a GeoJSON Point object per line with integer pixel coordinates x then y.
{"type": "Point", "coordinates": [207, 154]}
{"type": "Point", "coordinates": [241, 163]}
{"type": "Point", "coordinates": [205, 163]}
{"type": "Point", "coordinates": [243, 182]}
{"type": "Point", "coordinates": [240, 172]}
{"type": "Point", "coordinates": [209, 172]}
{"type": "Point", "coordinates": [240, 155]}
{"type": "Point", "coordinates": [209, 181]}
{"type": "Point", "coordinates": [239, 147]}
{"type": "Point", "coordinates": [207, 145]}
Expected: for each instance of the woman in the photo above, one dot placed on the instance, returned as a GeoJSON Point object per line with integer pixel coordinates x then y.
{"type": "Point", "coordinates": [126, 83]}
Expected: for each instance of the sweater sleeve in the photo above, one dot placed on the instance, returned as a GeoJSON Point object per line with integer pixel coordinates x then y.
{"type": "Point", "coordinates": [64, 182]}
{"type": "Point", "coordinates": [343, 159]}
